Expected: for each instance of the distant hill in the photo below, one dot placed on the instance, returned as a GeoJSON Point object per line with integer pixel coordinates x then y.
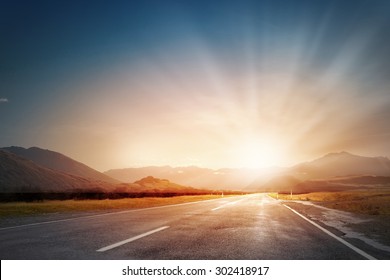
{"type": "Point", "coordinates": [151, 184]}
{"type": "Point", "coordinates": [60, 162]}
{"type": "Point", "coordinates": [334, 171]}
{"type": "Point", "coordinates": [18, 174]}
{"type": "Point", "coordinates": [134, 174]}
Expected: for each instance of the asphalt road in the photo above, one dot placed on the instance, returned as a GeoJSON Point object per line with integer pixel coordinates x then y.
{"type": "Point", "coordinates": [242, 227]}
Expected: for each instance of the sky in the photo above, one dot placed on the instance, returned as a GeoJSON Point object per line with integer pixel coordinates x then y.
{"type": "Point", "coordinates": [118, 84]}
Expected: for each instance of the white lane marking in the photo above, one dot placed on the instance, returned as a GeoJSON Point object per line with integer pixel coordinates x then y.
{"type": "Point", "coordinates": [349, 245]}
{"type": "Point", "coordinates": [112, 246]}
{"type": "Point", "coordinates": [111, 213]}
{"type": "Point", "coordinates": [218, 207]}
{"type": "Point", "coordinates": [226, 204]}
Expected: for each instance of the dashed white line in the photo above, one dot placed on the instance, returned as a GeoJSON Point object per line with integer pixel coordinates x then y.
{"type": "Point", "coordinates": [112, 246]}
{"type": "Point", "coordinates": [218, 207]}
{"type": "Point", "coordinates": [349, 245]}
{"type": "Point", "coordinates": [226, 204]}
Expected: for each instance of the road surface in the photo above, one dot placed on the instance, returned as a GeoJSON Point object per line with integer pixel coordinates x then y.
{"type": "Point", "coordinates": [241, 227]}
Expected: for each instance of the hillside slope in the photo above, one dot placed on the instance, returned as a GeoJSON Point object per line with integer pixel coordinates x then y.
{"type": "Point", "coordinates": [18, 174]}
{"type": "Point", "coordinates": [60, 162]}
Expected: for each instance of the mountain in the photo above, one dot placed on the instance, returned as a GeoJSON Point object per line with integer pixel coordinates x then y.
{"type": "Point", "coordinates": [227, 178]}
{"type": "Point", "coordinates": [60, 162]}
{"type": "Point", "coordinates": [341, 164]}
{"type": "Point", "coordinates": [18, 174]}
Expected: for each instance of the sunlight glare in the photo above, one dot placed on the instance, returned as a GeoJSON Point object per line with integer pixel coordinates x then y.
{"type": "Point", "coordinates": [257, 154]}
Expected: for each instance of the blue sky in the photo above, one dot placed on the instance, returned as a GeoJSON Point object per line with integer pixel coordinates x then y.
{"type": "Point", "coordinates": [211, 83]}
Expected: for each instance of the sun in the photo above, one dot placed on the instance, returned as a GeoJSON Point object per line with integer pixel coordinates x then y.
{"type": "Point", "coordinates": [257, 154]}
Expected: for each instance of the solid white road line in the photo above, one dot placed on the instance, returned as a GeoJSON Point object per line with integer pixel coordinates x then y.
{"type": "Point", "coordinates": [349, 245]}
{"type": "Point", "coordinates": [109, 247]}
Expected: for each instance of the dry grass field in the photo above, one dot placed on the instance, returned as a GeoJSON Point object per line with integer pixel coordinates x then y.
{"type": "Point", "coordinates": [16, 209]}
{"type": "Point", "coordinates": [371, 202]}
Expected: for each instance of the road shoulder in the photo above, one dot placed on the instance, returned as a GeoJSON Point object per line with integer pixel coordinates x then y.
{"type": "Point", "coordinates": [366, 231]}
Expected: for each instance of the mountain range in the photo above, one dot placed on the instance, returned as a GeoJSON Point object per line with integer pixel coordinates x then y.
{"type": "Point", "coordinates": [39, 170]}
{"type": "Point", "coordinates": [330, 166]}
{"type": "Point", "coordinates": [332, 172]}
{"type": "Point", "coordinates": [342, 164]}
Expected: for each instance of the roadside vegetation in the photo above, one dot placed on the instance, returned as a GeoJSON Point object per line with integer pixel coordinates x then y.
{"type": "Point", "coordinates": [16, 209]}
{"type": "Point", "coordinates": [371, 202]}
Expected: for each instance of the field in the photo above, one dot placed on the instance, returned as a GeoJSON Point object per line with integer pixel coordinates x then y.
{"type": "Point", "coordinates": [371, 202]}
{"type": "Point", "coordinates": [16, 209]}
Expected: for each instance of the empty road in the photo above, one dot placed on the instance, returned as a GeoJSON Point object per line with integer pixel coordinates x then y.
{"type": "Point", "coordinates": [241, 227]}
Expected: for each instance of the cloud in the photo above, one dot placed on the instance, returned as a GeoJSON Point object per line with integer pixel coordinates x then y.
{"type": "Point", "coordinates": [3, 100]}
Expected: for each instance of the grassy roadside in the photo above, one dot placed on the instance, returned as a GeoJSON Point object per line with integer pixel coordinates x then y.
{"type": "Point", "coordinates": [373, 202]}
{"type": "Point", "coordinates": [17, 209]}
